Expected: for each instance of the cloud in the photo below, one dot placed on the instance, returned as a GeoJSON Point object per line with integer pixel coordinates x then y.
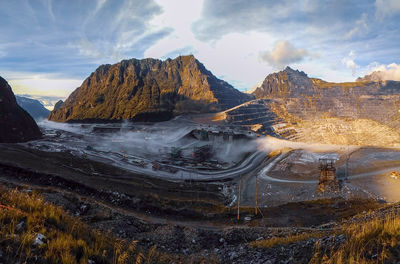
{"type": "Point", "coordinates": [386, 8]}
{"type": "Point", "coordinates": [71, 38]}
{"type": "Point", "coordinates": [360, 27]}
{"type": "Point", "coordinates": [283, 53]}
{"type": "Point", "coordinates": [88, 49]}
{"type": "Point", "coordinates": [41, 84]}
{"type": "Point", "coordinates": [221, 17]}
{"type": "Point", "coordinates": [349, 62]}
{"type": "Point", "coordinates": [49, 5]}
{"type": "Point", "coordinates": [126, 30]}
{"type": "Point", "coordinates": [88, 32]}
{"type": "Point", "coordinates": [385, 72]}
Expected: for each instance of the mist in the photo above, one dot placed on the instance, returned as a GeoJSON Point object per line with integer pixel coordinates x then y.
{"type": "Point", "coordinates": [269, 144]}
{"type": "Point", "coordinates": [149, 141]}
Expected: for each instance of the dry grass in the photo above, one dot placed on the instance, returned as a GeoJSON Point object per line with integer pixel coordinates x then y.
{"type": "Point", "coordinates": [275, 241]}
{"type": "Point", "coordinates": [344, 85]}
{"type": "Point", "coordinates": [370, 241]}
{"type": "Point", "coordinates": [373, 241]}
{"type": "Point", "coordinates": [67, 239]}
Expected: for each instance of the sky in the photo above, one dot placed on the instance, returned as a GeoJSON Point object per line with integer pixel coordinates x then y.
{"type": "Point", "coordinates": [48, 47]}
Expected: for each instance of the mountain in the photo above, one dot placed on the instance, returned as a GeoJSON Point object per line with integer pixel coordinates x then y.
{"type": "Point", "coordinates": [34, 107]}
{"type": "Point", "coordinates": [148, 90]}
{"type": "Point", "coordinates": [286, 83]}
{"type": "Point", "coordinates": [16, 125]}
{"type": "Point", "coordinates": [294, 106]}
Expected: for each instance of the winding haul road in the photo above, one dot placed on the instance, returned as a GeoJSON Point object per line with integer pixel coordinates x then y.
{"type": "Point", "coordinates": [79, 138]}
{"type": "Point", "coordinates": [253, 163]}
{"type": "Point", "coordinates": [247, 165]}
{"type": "Point", "coordinates": [263, 174]}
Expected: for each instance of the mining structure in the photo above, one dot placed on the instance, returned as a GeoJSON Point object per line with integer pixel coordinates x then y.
{"type": "Point", "coordinates": [328, 181]}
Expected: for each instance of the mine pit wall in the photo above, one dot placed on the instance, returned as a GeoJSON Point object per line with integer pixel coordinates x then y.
{"type": "Point", "coordinates": [375, 101]}
{"type": "Point", "coordinates": [255, 112]}
{"type": "Point", "coordinates": [384, 109]}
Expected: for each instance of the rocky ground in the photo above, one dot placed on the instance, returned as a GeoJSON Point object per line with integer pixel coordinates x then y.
{"type": "Point", "coordinates": [219, 239]}
{"type": "Point", "coordinates": [194, 222]}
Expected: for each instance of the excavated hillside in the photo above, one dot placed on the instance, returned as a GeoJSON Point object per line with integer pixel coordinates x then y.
{"type": "Point", "coordinates": [16, 125]}
{"type": "Point", "coordinates": [148, 90]}
{"type": "Point", "coordinates": [292, 105]}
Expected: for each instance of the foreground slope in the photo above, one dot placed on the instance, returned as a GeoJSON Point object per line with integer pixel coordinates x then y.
{"type": "Point", "coordinates": [16, 125]}
{"type": "Point", "coordinates": [148, 90]}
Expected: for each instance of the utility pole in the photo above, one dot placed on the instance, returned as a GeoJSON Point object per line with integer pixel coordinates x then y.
{"type": "Point", "coordinates": [238, 204]}
{"type": "Point", "coordinates": [256, 197]}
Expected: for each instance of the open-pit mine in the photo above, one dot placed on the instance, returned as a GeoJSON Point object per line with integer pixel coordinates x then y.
{"type": "Point", "coordinates": [299, 155]}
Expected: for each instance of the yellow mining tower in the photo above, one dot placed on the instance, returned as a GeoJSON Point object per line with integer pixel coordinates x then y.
{"type": "Point", "coordinates": [327, 176]}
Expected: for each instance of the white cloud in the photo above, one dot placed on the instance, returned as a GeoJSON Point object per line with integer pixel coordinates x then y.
{"type": "Point", "coordinates": [108, 39]}
{"type": "Point", "coordinates": [349, 62]}
{"type": "Point", "coordinates": [41, 84]}
{"type": "Point", "coordinates": [49, 6]}
{"type": "Point", "coordinates": [172, 15]}
{"type": "Point", "coordinates": [385, 72]}
{"type": "Point", "coordinates": [100, 4]}
{"type": "Point", "coordinates": [360, 27]}
{"type": "Point", "coordinates": [88, 49]}
{"type": "Point", "coordinates": [386, 8]}
{"type": "Point", "coordinates": [284, 53]}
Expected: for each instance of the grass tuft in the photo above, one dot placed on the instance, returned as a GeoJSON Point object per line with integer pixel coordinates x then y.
{"type": "Point", "coordinates": [25, 217]}
{"type": "Point", "coordinates": [275, 241]}
{"type": "Point", "coordinates": [372, 241]}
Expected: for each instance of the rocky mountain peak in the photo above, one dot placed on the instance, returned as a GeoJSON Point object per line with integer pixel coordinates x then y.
{"type": "Point", "coordinates": [148, 90]}
{"type": "Point", "coordinates": [291, 71]}
{"type": "Point", "coordinates": [286, 83]}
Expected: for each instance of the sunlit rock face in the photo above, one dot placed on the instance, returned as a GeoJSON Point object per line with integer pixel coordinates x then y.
{"type": "Point", "coordinates": [286, 83]}
{"type": "Point", "coordinates": [292, 105]}
{"type": "Point", "coordinates": [148, 90]}
{"type": "Point", "coordinates": [58, 104]}
{"type": "Point", "coordinates": [16, 125]}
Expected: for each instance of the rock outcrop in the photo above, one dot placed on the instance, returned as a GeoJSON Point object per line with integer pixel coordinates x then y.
{"type": "Point", "coordinates": [34, 107]}
{"type": "Point", "coordinates": [16, 125]}
{"type": "Point", "coordinates": [286, 83]}
{"type": "Point", "coordinates": [58, 104]}
{"type": "Point", "coordinates": [148, 90]}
